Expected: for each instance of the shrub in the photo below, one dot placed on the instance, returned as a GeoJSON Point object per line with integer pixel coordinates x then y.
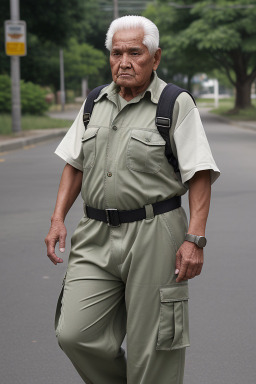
{"type": "Point", "coordinates": [32, 97]}
{"type": "Point", "coordinates": [5, 94]}
{"type": "Point", "coordinates": [70, 96]}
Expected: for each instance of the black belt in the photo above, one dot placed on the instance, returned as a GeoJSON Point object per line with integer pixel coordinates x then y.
{"type": "Point", "coordinates": [115, 218]}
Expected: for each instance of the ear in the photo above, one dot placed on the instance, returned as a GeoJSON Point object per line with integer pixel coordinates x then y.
{"type": "Point", "coordinates": [157, 58]}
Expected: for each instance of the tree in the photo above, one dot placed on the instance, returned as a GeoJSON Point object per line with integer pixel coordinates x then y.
{"type": "Point", "coordinates": [49, 20]}
{"type": "Point", "coordinates": [229, 36]}
{"type": "Point", "coordinates": [223, 32]}
{"type": "Point", "coordinates": [177, 64]}
{"type": "Point", "coordinates": [50, 25]}
{"type": "Point", "coordinates": [81, 61]}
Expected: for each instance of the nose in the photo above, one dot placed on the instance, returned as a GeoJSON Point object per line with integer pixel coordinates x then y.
{"type": "Point", "coordinates": [125, 62]}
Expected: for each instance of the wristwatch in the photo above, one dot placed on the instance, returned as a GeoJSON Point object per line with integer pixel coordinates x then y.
{"type": "Point", "coordinates": [200, 241]}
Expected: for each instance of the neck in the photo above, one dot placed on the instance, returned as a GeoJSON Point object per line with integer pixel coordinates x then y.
{"type": "Point", "coordinates": [130, 93]}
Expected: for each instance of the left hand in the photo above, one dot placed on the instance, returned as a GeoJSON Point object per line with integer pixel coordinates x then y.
{"type": "Point", "coordinates": [189, 261]}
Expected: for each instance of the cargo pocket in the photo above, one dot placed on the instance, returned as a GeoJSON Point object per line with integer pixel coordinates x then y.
{"type": "Point", "coordinates": [145, 151]}
{"type": "Point", "coordinates": [173, 330]}
{"type": "Point", "coordinates": [89, 147]}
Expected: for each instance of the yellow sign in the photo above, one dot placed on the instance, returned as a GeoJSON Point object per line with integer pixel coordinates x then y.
{"type": "Point", "coordinates": [15, 38]}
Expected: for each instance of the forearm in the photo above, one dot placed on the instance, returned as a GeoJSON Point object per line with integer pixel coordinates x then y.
{"type": "Point", "coordinates": [199, 202]}
{"type": "Point", "coordinates": [69, 189]}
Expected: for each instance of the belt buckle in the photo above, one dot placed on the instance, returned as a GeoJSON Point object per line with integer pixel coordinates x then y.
{"type": "Point", "coordinates": [112, 217]}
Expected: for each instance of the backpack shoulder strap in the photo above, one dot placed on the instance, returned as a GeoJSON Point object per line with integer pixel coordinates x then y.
{"type": "Point", "coordinates": [164, 114]}
{"type": "Point", "coordinates": [89, 104]}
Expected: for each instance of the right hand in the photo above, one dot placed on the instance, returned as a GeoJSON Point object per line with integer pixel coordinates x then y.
{"type": "Point", "coordinates": [57, 233]}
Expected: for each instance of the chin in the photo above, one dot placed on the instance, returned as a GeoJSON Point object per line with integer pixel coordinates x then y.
{"type": "Point", "coordinates": [125, 82]}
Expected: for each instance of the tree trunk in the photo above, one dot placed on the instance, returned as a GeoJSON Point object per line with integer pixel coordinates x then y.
{"type": "Point", "coordinates": [189, 83]}
{"type": "Point", "coordinates": [243, 94]}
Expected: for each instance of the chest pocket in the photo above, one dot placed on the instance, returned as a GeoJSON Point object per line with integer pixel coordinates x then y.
{"type": "Point", "coordinates": [89, 147]}
{"type": "Point", "coordinates": [145, 151]}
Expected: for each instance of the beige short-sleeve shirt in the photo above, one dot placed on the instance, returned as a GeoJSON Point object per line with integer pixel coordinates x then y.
{"type": "Point", "coordinates": [121, 153]}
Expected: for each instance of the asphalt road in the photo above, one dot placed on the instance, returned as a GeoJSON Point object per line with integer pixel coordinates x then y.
{"type": "Point", "coordinates": [222, 299]}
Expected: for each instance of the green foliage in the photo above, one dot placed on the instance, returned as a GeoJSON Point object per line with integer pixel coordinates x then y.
{"type": "Point", "coordinates": [49, 20]}
{"type": "Point", "coordinates": [178, 55]}
{"type": "Point", "coordinates": [223, 25]}
{"type": "Point", "coordinates": [82, 60]}
{"type": "Point", "coordinates": [50, 26]}
{"type": "Point", "coordinates": [50, 23]}
{"type": "Point", "coordinates": [41, 65]}
{"type": "Point", "coordinates": [5, 93]}
{"type": "Point", "coordinates": [32, 97]}
{"type": "Point", "coordinates": [70, 96]}
{"type": "Point", "coordinates": [209, 35]}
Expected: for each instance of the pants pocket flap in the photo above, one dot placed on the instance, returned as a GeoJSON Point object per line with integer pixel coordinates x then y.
{"type": "Point", "coordinates": [174, 293]}
{"type": "Point", "coordinates": [173, 330]}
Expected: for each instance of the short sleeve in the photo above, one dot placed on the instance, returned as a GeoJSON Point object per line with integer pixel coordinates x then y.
{"type": "Point", "coordinates": [70, 148]}
{"type": "Point", "coordinates": [193, 150]}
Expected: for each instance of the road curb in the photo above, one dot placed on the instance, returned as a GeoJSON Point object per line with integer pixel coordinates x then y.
{"type": "Point", "coordinates": [40, 136]}
{"type": "Point", "coordinates": [21, 142]}
{"type": "Point", "coordinates": [240, 124]}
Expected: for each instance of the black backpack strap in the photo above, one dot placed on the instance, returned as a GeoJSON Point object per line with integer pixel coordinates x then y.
{"type": "Point", "coordinates": [89, 104]}
{"type": "Point", "coordinates": [164, 114]}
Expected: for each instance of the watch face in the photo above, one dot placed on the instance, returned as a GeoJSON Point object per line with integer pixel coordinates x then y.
{"type": "Point", "coordinates": [202, 242]}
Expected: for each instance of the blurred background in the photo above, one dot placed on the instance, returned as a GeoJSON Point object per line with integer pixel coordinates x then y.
{"type": "Point", "coordinates": [209, 47]}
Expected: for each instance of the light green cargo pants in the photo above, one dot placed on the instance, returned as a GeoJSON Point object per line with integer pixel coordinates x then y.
{"type": "Point", "coordinates": [121, 280]}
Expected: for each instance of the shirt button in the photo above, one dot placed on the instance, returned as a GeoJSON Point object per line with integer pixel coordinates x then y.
{"type": "Point", "coordinates": [109, 174]}
{"type": "Point", "coordinates": [115, 127]}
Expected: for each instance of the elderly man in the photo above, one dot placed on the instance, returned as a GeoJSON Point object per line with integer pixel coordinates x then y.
{"type": "Point", "coordinates": [131, 278]}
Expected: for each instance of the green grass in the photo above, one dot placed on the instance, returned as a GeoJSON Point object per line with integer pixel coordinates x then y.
{"type": "Point", "coordinates": [29, 122]}
{"type": "Point", "coordinates": [226, 109]}
{"type": "Point", "coordinates": [248, 114]}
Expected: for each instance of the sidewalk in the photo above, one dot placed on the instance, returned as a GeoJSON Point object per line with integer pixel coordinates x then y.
{"type": "Point", "coordinates": [26, 138]}
{"type": "Point", "coordinates": [240, 124]}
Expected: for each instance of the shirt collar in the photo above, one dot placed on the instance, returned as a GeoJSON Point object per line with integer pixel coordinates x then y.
{"type": "Point", "coordinates": [154, 90]}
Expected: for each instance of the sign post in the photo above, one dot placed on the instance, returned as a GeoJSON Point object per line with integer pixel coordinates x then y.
{"type": "Point", "coordinates": [15, 46]}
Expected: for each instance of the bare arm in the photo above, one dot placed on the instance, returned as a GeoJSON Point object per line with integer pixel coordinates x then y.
{"type": "Point", "coordinates": [70, 187]}
{"type": "Point", "coordinates": [189, 258]}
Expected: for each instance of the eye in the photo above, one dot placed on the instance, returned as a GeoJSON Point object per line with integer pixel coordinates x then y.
{"type": "Point", "coordinates": [115, 54]}
{"type": "Point", "coordinates": [135, 53]}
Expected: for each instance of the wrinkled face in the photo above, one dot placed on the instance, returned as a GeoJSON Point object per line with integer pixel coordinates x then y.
{"type": "Point", "coordinates": [130, 61]}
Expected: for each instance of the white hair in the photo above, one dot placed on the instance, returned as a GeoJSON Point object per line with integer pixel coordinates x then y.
{"type": "Point", "coordinates": [151, 33]}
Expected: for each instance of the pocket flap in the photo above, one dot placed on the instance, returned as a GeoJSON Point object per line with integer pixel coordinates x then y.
{"type": "Point", "coordinates": [174, 293]}
{"type": "Point", "coordinates": [173, 332]}
{"type": "Point", "coordinates": [147, 137]}
{"type": "Point", "coordinates": [89, 133]}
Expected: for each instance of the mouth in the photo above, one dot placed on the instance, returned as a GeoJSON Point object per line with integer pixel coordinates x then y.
{"type": "Point", "coordinates": [124, 75]}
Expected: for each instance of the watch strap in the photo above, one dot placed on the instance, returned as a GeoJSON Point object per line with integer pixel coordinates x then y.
{"type": "Point", "coordinates": [200, 241]}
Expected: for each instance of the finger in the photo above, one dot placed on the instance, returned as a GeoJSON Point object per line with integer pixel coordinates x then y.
{"type": "Point", "coordinates": [191, 270]}
{"type": "Point", "coordinates": [182, 273]}
{"type": "Point", "coordinates": [52, 255]}
{"type": "Point", "coordinates": [199, 269]}
{"type": "Point", "coordinates": [178, 263]}
{"type": "Point", "coordinates": [55, 259]}
{"type": "Point", "coordinates": [62, 243]}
